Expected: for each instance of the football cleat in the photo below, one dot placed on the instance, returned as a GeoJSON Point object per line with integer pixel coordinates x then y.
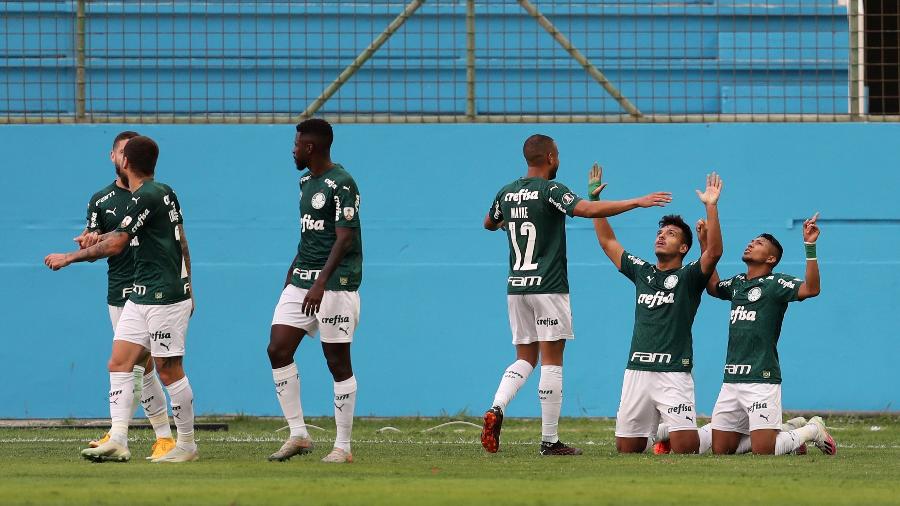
{"type": "Point", "coordinates": [823, 440]}
{"type": "Point", "coordinates": [162, 446]}
{"type": "Point", "coordinates": [110, 451]}
{"type": "Point", "coordinates": [179, 454]}
{"type": "Point", "coordinates": [490, 433]}
{"type": "Point", "coordinates": [293, 446]}
{"type": "Point", "coordinates": [98, 442]}
{"type": "Point", "coordinates": [338, 456]}
{"type": "Point", "coordinates": [662, 447]}
{"type": "Point", "coordinates": [558, 448]}
{"type": "Point", "coordinates": [794, 423]}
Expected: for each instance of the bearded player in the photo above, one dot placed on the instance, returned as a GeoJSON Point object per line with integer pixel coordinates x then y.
{"type": "Point", "coordinates": [155, 317]}
{"type": "Point", "coordinates": [658, 384]}
{"type": "Point", "coordinates": [750, 399]}
{"type": "Point", "coordinates": [105, 211]}
{"type": "Point", "coordinates": [533, 210]}
{"type": "Point", "coordinates": [320, 292]}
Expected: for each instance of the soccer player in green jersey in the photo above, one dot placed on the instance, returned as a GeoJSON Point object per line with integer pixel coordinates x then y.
{"type": "Point", "coordinates": [658, 382]}
{"type": "Point", "coordinates": [320, 292]}
{"type": "Point", "coordinates": [104, 213]}
{"type": "Point", "coordinates": [532, 209]}
{"type": "Point", "coordinates": [155, 317]}
{"type": "Point", "coordinates": [750, 399]}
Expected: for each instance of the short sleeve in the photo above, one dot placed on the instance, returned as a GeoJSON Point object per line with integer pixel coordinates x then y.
{"type": "Point", "coordinates": [495, 212]}
{"type": "Point", "coordinates": [92, 223]}
{"type": "Point", "coordinates": [786, 288]}
{"type": "Point", "coordinates": [138, 213]}
{"type": "Point", "coordinates": [696, 275]}
{"type": "Point", "coordinates": [173, 208]}
{"type": "Point", "coordinates": [562, 198]}
{"type": "Point", "coordinates": [630, 265]}
{"type": "Point", "coordinates": [346, 205]}
{"type": "Point", "coordinates": [724, 290]}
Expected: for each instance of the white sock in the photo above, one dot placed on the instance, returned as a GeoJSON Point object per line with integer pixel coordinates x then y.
{"type": "Point", "coordinates": [550, 393]}
{"type": "Point", "coordinates": [344, 403]}
{"type": "Point", "coordinates": [788, 441]}
{"type": "Point", "coordinates": [121, 394]}
{"type": "Point", "coordinates": [287, 388]}
{"type": "Point", "coordinates": [154, 401]}
{"type": "Point", "coordinates": [515, 376]}
{"type": "Point", "coordinates": [744, 446]}
{"type": "Point", "coordinates": [662, 432]}
{"type": "Point", "coordinates": [651, 441]}
{"type": "Point", "coordinates": [138, 386]}
{"type": "Point", "coordinates": [705, 434]}
{"type": "Point", "coordinates": [183, 411]}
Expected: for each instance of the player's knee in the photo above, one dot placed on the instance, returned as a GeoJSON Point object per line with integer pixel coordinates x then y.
{"type": "Point", "coordinates": [339, 368]}
{"type": "Point", "coordinates": [278, 356]}
{"type": "Point", "coordinates": [721, 449]}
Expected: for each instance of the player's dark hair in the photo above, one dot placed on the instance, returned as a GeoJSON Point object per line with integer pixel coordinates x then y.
{"type": "Point", "coordinates": [127, 134]}
{"type": "Point", "coordinates": [320, 131]}
{"type": "Point", "coordinates": [771, 238]}
{"type": "Point", "coordinates": [536, 148]}
{"type": "Point", "coordinates": [676, 221]}
{"type": "Point", "coordinates": [142, 152]}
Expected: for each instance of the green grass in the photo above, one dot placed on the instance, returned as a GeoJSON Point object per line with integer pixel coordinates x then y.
{"type": "Point", "coordinates": [447, 466]}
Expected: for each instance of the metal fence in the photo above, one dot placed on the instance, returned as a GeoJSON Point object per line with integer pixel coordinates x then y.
{"type": "Point", "coordinates": [448, 61]}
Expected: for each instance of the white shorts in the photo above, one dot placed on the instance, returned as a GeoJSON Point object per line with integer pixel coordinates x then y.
{"type": "Point", "coordinates": [335, 322]}
{"type": "Point", "coordinates": [115, 312]}
{"type": "Point", "coordinates": [745, 407]}
{"type": "Point", "coordinates": [649, 397]}
{"type": "Point", "coordinates": [159, 328]}
{"type": "Point", "coordinates": [539, 317]}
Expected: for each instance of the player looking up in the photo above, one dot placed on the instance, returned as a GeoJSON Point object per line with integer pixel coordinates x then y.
{"type": "Point", "coordinates": [155, 317]}
{"type": "Point", "coordinates": [532, 209]}
{"type": "Point", "coordinates": [658, 382]}
{"type": "Point", "coordinates": [320, 292]}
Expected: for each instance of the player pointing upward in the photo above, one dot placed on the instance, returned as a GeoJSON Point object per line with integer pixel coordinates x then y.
{"type": "Point", "coordinates": [533, 210]}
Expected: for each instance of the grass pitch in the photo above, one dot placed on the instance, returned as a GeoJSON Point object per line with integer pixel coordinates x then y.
{"type": "Point", "coordinates": [447, 466]}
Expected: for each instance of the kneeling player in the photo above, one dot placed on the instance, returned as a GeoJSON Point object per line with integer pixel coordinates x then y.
{"type": "Point", "coordinates": [750, 398]}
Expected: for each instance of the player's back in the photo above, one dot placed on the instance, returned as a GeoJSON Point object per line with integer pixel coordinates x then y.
{"type": "Point", "coordinates": [106, 210]}
{"type": "Point", "coordinates": [534, 211]}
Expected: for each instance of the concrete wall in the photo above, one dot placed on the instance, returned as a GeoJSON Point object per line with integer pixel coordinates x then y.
{"type": "Point", "coordinates": [434, 336]}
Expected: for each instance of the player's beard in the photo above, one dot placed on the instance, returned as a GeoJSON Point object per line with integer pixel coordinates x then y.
{"type": "Point", "coordinates": [553, 171]}
{"type": "Point", "coordinates": [300, 164]}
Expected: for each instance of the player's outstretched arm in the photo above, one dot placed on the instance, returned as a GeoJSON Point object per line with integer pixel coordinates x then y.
{"type": "Point", "coordinates": [595, 208]}
{"type": "Point", "coordinates": [342, 242]}
{"type": "Point", "coordinates": [605, 235]}
{"type": "Point", "coordinates": [110, 244]}
{"type": "Point", "coordinates": [810, 286]}
{"type": "Point", "coordinates": [701, 238]}
{"type": "Point", "coordinates": [710, 256]}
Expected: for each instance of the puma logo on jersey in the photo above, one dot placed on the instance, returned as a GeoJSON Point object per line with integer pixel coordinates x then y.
{"type": "Point", "coordinates": [521, 195]}
{"type": "Point", "coordinates": [135, 199]}
{"type": "Point", "coordinates": [739, 313]}
{"type": "Point", "coordinates": [656, 299]}
{"type": "Point", "coordinates": [649, 279]}
{"type": "Point", "coordinates": [112, 212]}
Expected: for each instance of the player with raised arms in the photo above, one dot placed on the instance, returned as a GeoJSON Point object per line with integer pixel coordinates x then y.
{"type": "Point", "coordinates": [104, 213]}
{"type": "Point", "coordinates": [658, 383]}
{"type": "Point", "coordinates": [747, 415]}
{"type": "Point", "coordinates": [320, 291]}
{"type": "Point", "coordinates": [532, 209]}
{"type": "Point", "coordinates": [155, 318]}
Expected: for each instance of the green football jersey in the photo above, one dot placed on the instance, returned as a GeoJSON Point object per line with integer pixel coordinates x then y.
{"type": "Point", "coordinates": [328, 201]}
{"type": "Point", "coordinates": [160, 274]}
{"type": "Point", "coordinates": [534, 211]}
{"type": "Point", "coordinates": [104, 213]}
{"type": "Point", "coordinates": [667, 302]}
{"type": "Point", "coordinates": [757, 312]}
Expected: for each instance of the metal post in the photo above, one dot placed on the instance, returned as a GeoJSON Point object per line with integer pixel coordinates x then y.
{"type": "Point", "coordinates": [367, 53]}
{"type": "Point", "coordinates": [580, 58]}
{"type": "Point", "coordinates": [79, 61]}
{"type": "Point", "coordinates": [470, 59]}
{"type": "Point", "coordinates": [856, 59]}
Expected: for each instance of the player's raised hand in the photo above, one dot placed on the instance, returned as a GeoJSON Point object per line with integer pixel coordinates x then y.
{"type": "Point", "coordinates": [713, 188]}
{"type": "Point", "coordinates": [595, 185]}
{"type": "Point", "coordinates": [701, 231]}
{"type": "Point", "coordinates": [655, 199]}
{"type": "Point", "coordinates": [811, 229]}
{"type": "Point", "coordinates": [56, 261]}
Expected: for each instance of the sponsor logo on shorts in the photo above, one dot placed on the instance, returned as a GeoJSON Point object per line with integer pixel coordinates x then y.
{"type": "Point", "coordinates": [651, 358]}
{"type": "Point", "coordinates": [757, 405]}
{"type": "Point", "coordinates": [306, 275]}
{"type": "Point", "coordinates": [159, 337]}
{"type": "Point", "coordinates": [307, 223]}
{"type": "Point", "coordinates": [679, 409]}
{"type": "Point", "coordinates": [547, 322]}
{"type": "Point", "coordinates": [523, 281]}
{"type": "Point", "coordinates": [521, 195]}
{"type": "Point", "coordinates": [335, 320]}
{"type": "Point", "coordinates": [655, 300]}
{"type": "Point", "coordinates": [741, 314]}
{"type": "Point", "coordinates": [738, 369]}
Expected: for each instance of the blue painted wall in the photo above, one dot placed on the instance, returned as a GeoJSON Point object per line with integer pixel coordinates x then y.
{"type": "Point", "coordinates": [434, 336]}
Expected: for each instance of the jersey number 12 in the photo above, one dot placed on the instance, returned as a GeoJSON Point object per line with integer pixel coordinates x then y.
{"type": "Point", "coordinates": [527, 230]}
